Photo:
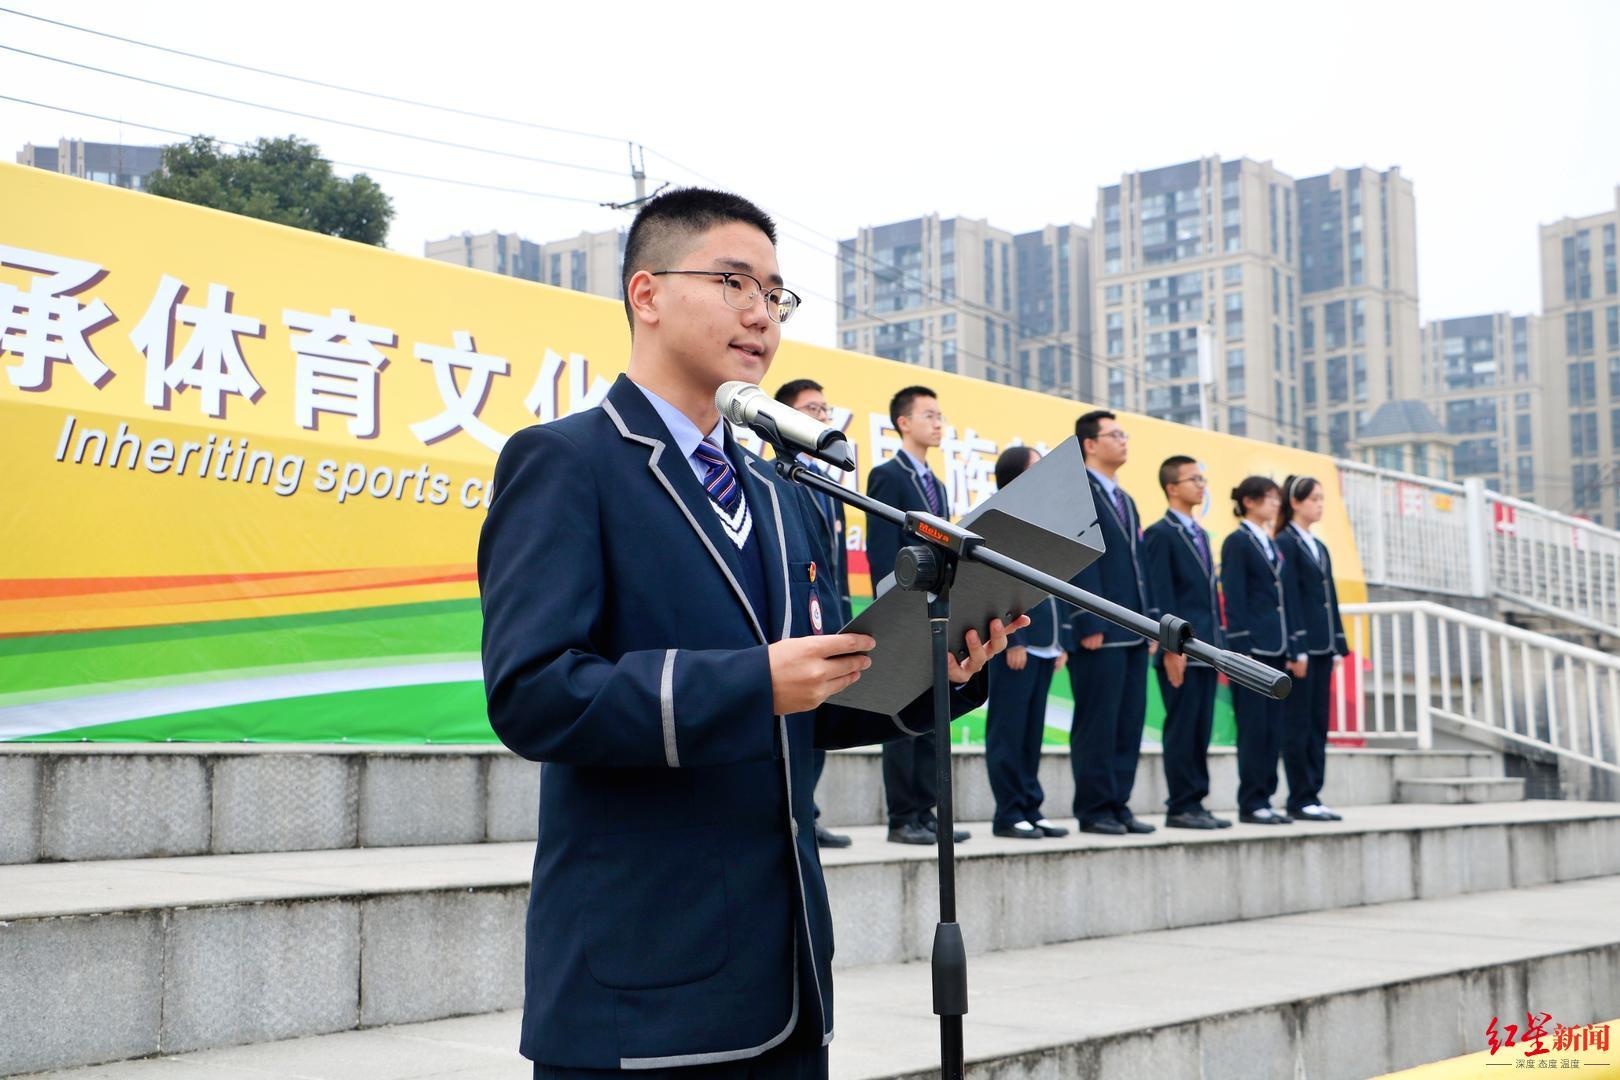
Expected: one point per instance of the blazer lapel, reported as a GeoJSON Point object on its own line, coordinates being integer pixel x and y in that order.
{"type": "Point", "coordinates": [637, 422]}
{"type": "Point", "coordinates": [1259, 545]}
{"type": "Point", "coordinates": [766, 507]}
{"type": "Point", "coordinates": [1181, 531]}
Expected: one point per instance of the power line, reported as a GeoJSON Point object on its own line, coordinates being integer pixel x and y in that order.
{"type": "Point", "coordinates": [313, 82]}
{"type": "Point", "coordinates": [428, 139]}
{"type": "Point", "coordinates": [345, 164]}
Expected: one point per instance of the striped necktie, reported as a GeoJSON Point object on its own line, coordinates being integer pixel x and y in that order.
{"type": "Point", "coordinates": [721, 479]}
{"type": "Point", "coordinates": [931, 494]}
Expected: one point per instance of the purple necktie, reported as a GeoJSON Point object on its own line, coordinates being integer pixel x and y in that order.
{"type": "Point", "coordinates": [931, 494]}
{"type": "Point", "coordinates": [1198, 542]}
{"type": "Point", "coordinates": [1119, 505]}
{"type": "Point", "coordinates": [721, 479]}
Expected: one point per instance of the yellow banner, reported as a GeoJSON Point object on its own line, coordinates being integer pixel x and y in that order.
{"type": "Point", "coordinates": [206, 417]}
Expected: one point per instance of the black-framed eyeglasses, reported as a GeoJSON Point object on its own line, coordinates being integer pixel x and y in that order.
{"type": "Point", "coordinates": [780, 303]}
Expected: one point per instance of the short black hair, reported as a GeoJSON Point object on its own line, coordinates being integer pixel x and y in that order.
{"type": "Point", "coordinates": [1295, 487]}
{"type": "Point", "coordinates": [1253, 487]}
{"type": "Point", "coordinates": [668, 222]}
{"type": "Point", "coordinates": [1089, 426]}
{"type": "Point", "coordinates": [1171, 466]}
{"type": "Point", "coordinates": [900, 404]}
{"type": "Point", "coordinates": [1012, 463]}
{"type": "Point", "coordinates": [789, 391]}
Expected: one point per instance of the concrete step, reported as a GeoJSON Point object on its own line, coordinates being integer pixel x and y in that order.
{"type": "Point", "coordinates": [107, 960]}
{"type": "Point", "coordinates": [1460, 789]}
{"type": "Point", "coordinates": [1321, 996]}
{"type": "Point", "coordinates": [84, 801]}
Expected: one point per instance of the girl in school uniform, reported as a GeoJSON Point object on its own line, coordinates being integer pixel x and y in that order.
{"type": "Point", "coordinates": [1257, 624]}
{"type": "Point", "coordinates": [1318, 639]}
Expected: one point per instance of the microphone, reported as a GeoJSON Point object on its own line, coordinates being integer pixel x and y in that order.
{"type": "Point", "coordinates": [746, 405]}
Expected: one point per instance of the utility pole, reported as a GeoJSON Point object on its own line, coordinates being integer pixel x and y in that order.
{"type": "Point", "coordinates": [638, 170]}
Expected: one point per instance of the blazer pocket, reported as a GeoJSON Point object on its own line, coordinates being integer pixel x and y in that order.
{"type": "Point", "coordinates": [658, 908]}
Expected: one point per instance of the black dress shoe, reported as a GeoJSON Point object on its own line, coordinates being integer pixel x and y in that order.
{"type": "Point", "coordinates": [830, 839]}
{"type": "Point", "coordinates": [1050, 828]}
{"type": "Point", "coordinates": [1138, 828]}
{"type": "Point", "coordinates": [1021, 830]}
{"type": "Point", "coordinates": [1107, 827]}
{"type": "Point", "coordinates": [958, 835]}
{"type": "Point", "coordinates": [1190, 821]}
{"type": "Point", "coordinates": [1316, 813]}
{"type": "Point", "coordinates": [1220, 822]}
{"type": "Point", "coordinates": [1264, 816]}
{"type": "Point", "coordinates": [912, 834]}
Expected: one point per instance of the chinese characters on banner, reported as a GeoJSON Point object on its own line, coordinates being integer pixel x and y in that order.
{"type": "Point", "coordinates": [338, 360]}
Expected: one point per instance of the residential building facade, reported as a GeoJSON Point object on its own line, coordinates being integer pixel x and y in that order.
{"type": "Point", "coordinates": [1580, 339]}
{"type": "Point", "coordinates": [105, 163]}
{"type": "Point", "coordinates": [1481, 377]}
{"type": "Point", "coordinates": [591, 262]}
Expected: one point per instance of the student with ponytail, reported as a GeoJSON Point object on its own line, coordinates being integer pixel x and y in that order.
{"type": "Point", "coordinates": [1257, 624]}
{"type": "Point", "coordinates": [1313, 606]}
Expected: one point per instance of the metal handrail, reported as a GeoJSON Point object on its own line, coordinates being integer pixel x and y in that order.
{"type": "Point", "coordinates": [1531, 689]}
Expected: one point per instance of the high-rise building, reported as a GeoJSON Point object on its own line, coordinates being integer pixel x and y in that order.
{"type": "Point", "coordinates": [1481, 377]}
{"type": "Point", "coordinates": [1580, 303]}
{"type": "Point", "coordinates": [590, 262]}
{"type": "Point", "coordinates": [105, 163]}
{"type": "Point", "coordinates": [931, 292]}
{"type": "Point", "coordinates": [1206, 247]}
{"type": "Point", "coordinates": [1052, 283]}
{"type": "Point", "coordinates": [1358, 300]}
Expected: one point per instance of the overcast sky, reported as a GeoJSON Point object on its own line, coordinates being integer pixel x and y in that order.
{"type": "Point", "coordinates": [838, 115]}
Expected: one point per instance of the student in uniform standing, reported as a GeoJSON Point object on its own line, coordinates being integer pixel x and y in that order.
{"type": "Point", "coordinates": [906, 482]}
{"type": "Point", "coordinates": [1257, 624]}
{"type": "Point", "coordinates": [1108, 664]}
{"type": "Point", "coordinates": [1314, 603]}
{"type": "Point", "coordinates": [1180, 567]}
{"type": "Point", "coordinates": [1015, 721]}
{"type": "Point", "coordinates": [826, 517]}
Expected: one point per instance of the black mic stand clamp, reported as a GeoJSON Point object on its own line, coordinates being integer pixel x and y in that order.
{"type": "Point", "coordinates": [930, 568]}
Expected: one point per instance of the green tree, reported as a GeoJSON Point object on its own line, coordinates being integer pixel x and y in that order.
{"type": "Point", "coordinates": [281, 180]}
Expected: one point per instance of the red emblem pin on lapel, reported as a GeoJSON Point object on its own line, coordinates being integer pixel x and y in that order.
{"type": "Point", "coordinates": [812, 573]}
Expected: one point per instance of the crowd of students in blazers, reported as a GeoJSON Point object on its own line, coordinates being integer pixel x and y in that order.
{"type": "Point", "coordinates": [1268, 592]}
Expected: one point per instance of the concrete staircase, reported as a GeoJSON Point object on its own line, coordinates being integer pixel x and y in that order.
{"type": "Point", "coordinates": [170, 900]}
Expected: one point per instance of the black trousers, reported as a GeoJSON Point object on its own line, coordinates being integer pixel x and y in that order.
{"type": "Point", "coordinates": [1189, 719]}
{"type": "Point", "coordinates": [908, 780]}
{"type": "Point", "coordinates": [1105, 741]}
{"type": "Point", "coordinates": [1259, 742]}
{"type": "Point", "coordinates": [1305, 727]}
{"type": "Point", "coordinates": [1014, 726]}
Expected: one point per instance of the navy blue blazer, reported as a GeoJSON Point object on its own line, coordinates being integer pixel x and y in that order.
{"type": "Point", "coordinates": [1313, 600]}
{"type": "Point", "coordinates": [828, 531]}
{"type": "Point", "coordinates": [1045, 629]}
{"type": "Point", "coordinates": [1115, 575]}
{"type": "Point", "coordinates": [678, 913]}
{"type": "Point", "coordinates": [1180, 581]}
{"type": "Point", "coordinates": [1256, 608]}
{"type": "Point", "coordinates": [894, 482]}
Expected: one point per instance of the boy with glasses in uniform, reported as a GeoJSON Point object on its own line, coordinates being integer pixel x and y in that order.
{"type": "Point", "coordinates": [650, 636]}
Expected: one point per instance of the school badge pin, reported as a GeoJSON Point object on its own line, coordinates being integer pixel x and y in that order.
{"type": "Point", "coordinates": [812, 573]}
{"type": "Point", "coordinates": [815, 613]}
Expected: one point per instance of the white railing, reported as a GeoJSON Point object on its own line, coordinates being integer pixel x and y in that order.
{"type": "Point", "coordinates": [1465, 540]}
{"type": "Point", "coordinates": [1414, 662]}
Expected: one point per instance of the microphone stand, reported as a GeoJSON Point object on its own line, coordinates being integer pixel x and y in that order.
{"type": "Point", "coordinates": [930, 567]}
